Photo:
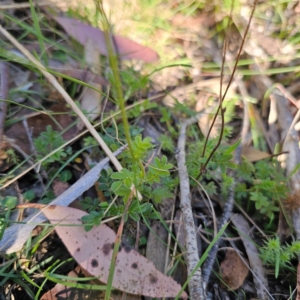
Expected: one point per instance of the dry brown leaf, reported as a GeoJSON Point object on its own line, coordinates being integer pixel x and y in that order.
{"type": "Point", "coordinates": [233, 270]}
{"type": "Point", "coordinates": [93, 251]}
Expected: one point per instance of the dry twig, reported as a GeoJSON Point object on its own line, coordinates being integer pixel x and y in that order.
{"type": "Point", "coordinates": [192, 258]}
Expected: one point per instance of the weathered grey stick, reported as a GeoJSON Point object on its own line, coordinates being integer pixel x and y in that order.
{"type": "Point", "coordinates": [15, 236]}
{"type": "Point", "coordinates": [192, 257]}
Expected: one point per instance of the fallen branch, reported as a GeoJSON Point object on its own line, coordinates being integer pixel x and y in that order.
{"type": "Point", "coordinates": [192, 257]}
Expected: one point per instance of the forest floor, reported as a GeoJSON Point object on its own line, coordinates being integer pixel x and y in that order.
{"type": "Point", "coordinates": [174, 125]}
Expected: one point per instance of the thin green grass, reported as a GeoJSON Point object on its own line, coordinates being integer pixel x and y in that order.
{"type": "Point", "coordinates": [39, 35]}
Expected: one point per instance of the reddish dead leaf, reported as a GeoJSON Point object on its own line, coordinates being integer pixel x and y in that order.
{"type": "Point", "coordinates": [93, 251]}
{"type": "Point", "coordinates": [233, 270]}
{"type": "Point", "coordinates": [126, 48]}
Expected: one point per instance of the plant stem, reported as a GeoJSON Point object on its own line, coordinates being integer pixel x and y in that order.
{"type": "Point", "coordinates": [113, 62]}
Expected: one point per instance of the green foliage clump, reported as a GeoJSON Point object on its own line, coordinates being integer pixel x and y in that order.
{"type": "Point", "coordinates": [97, 211]}
{"type": "Point", "coordinates": [220, 162]}
{"type": "Point", "coordinates": [263, 183]}
{"type": "Point", "coordinates": [144, 177]}
{"type": "Point", "coordinates": [167, 143]}
{"type": "Point", "coordinates": [280, 256]}
{"type": "Point", "coordinates": [7, 203]}
{"type": "Point", "coordinates": [132, 81]}
{"type": "Point", "coordinates": [124, 180]}
{"type": "Point", "coordinates": [47, 142]}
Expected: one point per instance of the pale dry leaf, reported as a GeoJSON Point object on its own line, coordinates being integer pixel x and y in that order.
{"type": "Point", "coordinates": [90, 98]}
{"type": "Point", "coordinates": [252, 154]}
{"type": "Point", "coordinates": [93, 251]}
{"type": "Point", "coordinates": [273, 115]}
